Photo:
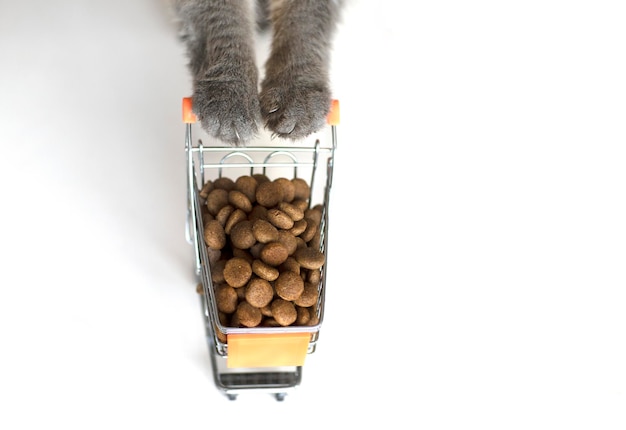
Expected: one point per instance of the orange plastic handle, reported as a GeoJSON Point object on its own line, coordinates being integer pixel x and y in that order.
{"type": "Point", "coordinates": [188, 116]}
{"type": "Point", "coordinates": [267, 350]}
{"type": "Point", "coordinates": [333, 116]}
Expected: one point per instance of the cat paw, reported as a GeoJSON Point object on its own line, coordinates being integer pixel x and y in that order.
{"type": "Point", "coordinates": [294, 111]}
{"type": "Point", "coordinates": [227, 110]}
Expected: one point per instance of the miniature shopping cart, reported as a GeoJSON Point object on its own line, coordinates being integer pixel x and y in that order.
{"type": "Point", "coordinates": [258, 359]}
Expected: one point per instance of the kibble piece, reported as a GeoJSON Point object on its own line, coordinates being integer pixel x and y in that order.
{"type": "Point", "coordinates": [288, 240]}
{"type": "Point", "coordinates": [279, 219]}
{"type": "Point", "coordinates": [274, 253]}
{"type": "Point", "coordinates": [309, 258]}
{"type": "Point", "coordinates": [310, 230]}
{"type": "Point", "coordinates": [294, 212]}
{"type": "Point", "coordinates": [259, 292]}
{"type": "Point", "coordinates": [217, 272]}
{"type": "Point", "coordinates": [302, 189]}
{"type": "Point", "coordinates": [264, 270]}
{"type": "Point", "coordinates": [248, 315]}
{"type": "Point", "coordinates": [304, 316]}
{"type": "Point", "coordinates": [267, 310]}
{"type": "Point", "coordinates": [289, 285]}
{"type": "Point", "coordinates": [239, 200]}
{"type": "Point", "coordinates": [298, 227]}
{"type": "Point", "coordinates": [291, 265]}
{"type": "Point", "coordinates": [269, 194]}
{"type": "Point", "coordinates": [216, 200]}
{"type": "Point", "coordinates": [301, 204]}
{"type": "Point", "coordinates": [264, 231]}
{"type": "Point", "coordinates": [289, 189]}
{"type": "Point", "coordinates": [237, 216]}
{"type": "Point", "coordinates": [241, 235]}
{"type": "Point", "coordinates": [247, 185]}
{"type": "Point", "coordinates": [257, 212]}
{"type": "Point", "coordinates": [224, 183]}
{"type": "Point", "coordinates": [314, 276]}
{"type": "Point", "coordinates": [224, 213]}
{"type": "Point", "coordinates": [308, 297]}
{"type": "Point", "coordinates": [226, 298]}
{"type": "Point", "coordinates": [283, 311]}
{"type": "Point", "coordinates": [260, 177]}
{"type": "Point", "coordinates": [237, 272]}
{"type": "Point", "coordinates": [206, 189]}
{"type": "Point", "coordinates": [214, 234]}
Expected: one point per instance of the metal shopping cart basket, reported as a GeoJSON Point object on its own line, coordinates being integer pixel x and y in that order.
{"type": "Point", "coordinates": [266, 358]}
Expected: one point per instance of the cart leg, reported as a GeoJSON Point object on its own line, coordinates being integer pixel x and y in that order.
{"type": "Point", "coordinates": [231, 396]}
{"type": "Point", "coordinates": [280, 396]}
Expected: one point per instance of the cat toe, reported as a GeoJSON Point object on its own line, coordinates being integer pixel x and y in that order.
{"type": "Point", "coordinates": [226, 111]}
{"type": "Point", "coordinates": [295, 112]}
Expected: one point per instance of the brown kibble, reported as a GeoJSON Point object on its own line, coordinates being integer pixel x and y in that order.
{"type": "Point", "coordinates": [266, 310]}
{"type": "Point", "coordinates": [257, 212]}
{"type": "Point", "coordinates": [289, 285]}
{"type": "Point", "coordinates": [217, 272]}
{"type": "Point", "coordinates": [239, 200]}
{"type": "Point", "coordinates": [213, 254]}
{"type": "Point", "coordinates": [241, 235]}
{"type": "Point", "coordinates": [302, 189]}
{"type": "Point", "coordinates": [309, 296]}
{"type": "Point", "coordinates": [304, 316]}
{"type": "Point", "coordinates": [199, 289]}
{"type": "Point", "coordinates": [298, 227]}
{"type": "Point", "coordinates": [264, 270]}
{"type": "Point", "coordinates": [248, 315]}
{"type": "Point", "coordinates": [301, 204]}
{"type": "Point", "coordinates": [310, 230]}
{"type": "Point", "coordinates": [226, 298]}
{"type": "Point", "coordinates": [289, 190]}
{"type": "Point", "coordinates": [314, 276]}
{"type": "Point", "coordinates": [270, 322]}
{"type": "Point", "coordinates": [294, 212]}
{"type": "Point", "coordinates": [309, 258]}
{"type": "Point", "coordinates": [274, 253]}
{"type": "Point", "coordinates": [216, 200]}
{"type": "Point", "coordinates": [224, 213]}
{"type": "Point", "coordinates": [214, 235]}
{"type": "Point", "coordinates": [288, 240]}
{"type": "Point", "coordinates": [259, 292]}
{"type": "Point", "coordinates": [260, 177]}
{"type": "Point", "coordinates": [206, 189]}
{"type": "Point", "coordinates": [237, 216]}
{"type": "Point", "coordinates": [284, 312]}
{"type": "Point", "coordinates": [224, 183]}
{"type": "Point", "coordinates": [279, 219]}
{"type": "Point", "coordinates": [264, 231]}
{"type": "Point", "coordinates": [314, 213]}
{"type": "Point", "coordinates": [291, 265]}
{"type": "Point", "coordinates": [247, 185]}
{"type": "Point", "coordinates": [269, 194]}
{"type": "Point", "coordinates": [243, 253]}
{"type": "Point", "coordinates": [237, 272]}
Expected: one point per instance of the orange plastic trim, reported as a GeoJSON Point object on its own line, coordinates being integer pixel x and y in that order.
{"type": "Point", "coordinates": [188, 116]}
{"type": "Point", "coordinates": [333, 115]}
{"type": "Point", "coordinates": [267, 350]}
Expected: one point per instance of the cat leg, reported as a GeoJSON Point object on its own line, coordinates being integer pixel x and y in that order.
{"type": "Point", "coordinates": [219, 38]}
{"type": "Point", "coordinates": [295, 93]}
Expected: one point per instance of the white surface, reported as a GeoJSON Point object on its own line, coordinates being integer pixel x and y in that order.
{"type": "Point", "coordinates": [477, 239]}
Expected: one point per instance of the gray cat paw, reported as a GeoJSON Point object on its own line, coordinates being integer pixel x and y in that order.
{"type": "Point", "coordinates": [227, 110]}
{"type": "Point", "coordinates": [294, 110]}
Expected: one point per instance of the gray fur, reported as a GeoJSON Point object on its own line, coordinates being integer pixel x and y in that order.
{"type": "Point", "coordinates": [294, 97]}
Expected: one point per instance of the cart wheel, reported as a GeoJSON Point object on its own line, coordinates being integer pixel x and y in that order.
{"type": "Point", "coordinates": [231, 396]}
{"type": "Point", "coordinates": [280, 396]}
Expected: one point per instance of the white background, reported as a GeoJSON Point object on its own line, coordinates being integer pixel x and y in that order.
{"type": "Point", "coordinates": [477, 238]}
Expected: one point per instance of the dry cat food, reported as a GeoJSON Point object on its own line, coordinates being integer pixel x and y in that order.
{"type": "Point", "coordinates": [263, 245]}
